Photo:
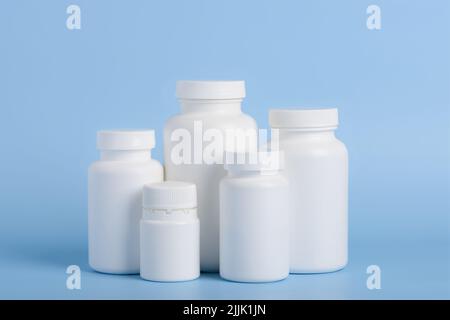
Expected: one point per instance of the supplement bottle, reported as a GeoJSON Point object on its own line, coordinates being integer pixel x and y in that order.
{"type": "Point", "coordinates": [115, 185]}
{"type": "Point", "coordinates": [316, 166]}
{"type": "Point", "coordinates": [254, 223]}
{"type": "Point", "coordinates": [170, 247]}
{"type": "Point", "coordinates": [194, 142]}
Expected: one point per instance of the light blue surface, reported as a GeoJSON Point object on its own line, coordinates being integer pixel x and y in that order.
{"type": "Point", "coordinates": [392, 87]}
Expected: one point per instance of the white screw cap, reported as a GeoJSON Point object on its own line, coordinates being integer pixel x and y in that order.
{"type": "Point", "coordinates": [210, 90]}
{"type": "Point", "coordinates": [126, 139]}
{"type": "Point", "coordinates": [169, 195]}
{"type": "Point", "coordinates": [303, 118]}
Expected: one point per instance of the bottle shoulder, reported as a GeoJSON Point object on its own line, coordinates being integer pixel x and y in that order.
{"type": "Point", "coordinates": [292, 142]}
{"type": "Point", "coordinates": [314, 148]}
{"type": "Point", "coordinates": [105, 167]}
{"type": "Point", "coordinates": [341, 145]}
{"type": "Point", "coordinates": [218, 120]}
{"type": "Point", "coordinates": [258, 181]}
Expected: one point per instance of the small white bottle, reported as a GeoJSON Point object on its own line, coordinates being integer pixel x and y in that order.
{"type": "Point", "coordinates": [169, 231]}
{"type": "Point", "coordinates": [115, 198]}
{"type": "Point", "coordinates": [316, 165]}
{"type": "Point", "coordinates": [208, 108]}
{"type": "Point", "coordinates": [254, 222]}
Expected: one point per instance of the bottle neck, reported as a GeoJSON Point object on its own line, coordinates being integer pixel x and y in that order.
{"type": "Point", "coordinates": [216, 106]}
{"type": "Point", "coordinates": [308, 134]}
{"type": "Point", "coordinates": [125, 155]}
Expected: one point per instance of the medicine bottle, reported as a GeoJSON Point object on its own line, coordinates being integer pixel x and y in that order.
{"type": "Point", "coordinates": [254, 221]}
{"type": "Point", "coordinates": [170, 232]}
{"type": "Point", "coordinates": [115, 198]}
{"type": "Point", "coordinates": [316, 166]}
{"type": "Point", "coordinates": [194, 141]}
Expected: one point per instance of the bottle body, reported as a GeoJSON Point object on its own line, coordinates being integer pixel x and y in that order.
{"type": "Point", "coordinates": [200, 120]}
{"type": "Point", "coordinates": [115, 208]}
{"type": "Point", "coordinates": [115, 212]}
{"type": "Point", "coordinates": [170, 245]}
{"type": "Point", "coordinates": [316, 165]}
{"type": "Point", "coordinates": [254, 217]}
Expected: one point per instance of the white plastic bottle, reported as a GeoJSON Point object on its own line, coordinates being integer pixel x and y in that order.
{"type": "Point", "coordinates": [170, 240]}
{"type": "Point", "coordinates": [207, 109]}
{"type": "Point", "coordinates": [115, 198]}
{"type": "Point", "coordinates": [254, 223]}
{"type": "Point", "coordinates": [316, 165]}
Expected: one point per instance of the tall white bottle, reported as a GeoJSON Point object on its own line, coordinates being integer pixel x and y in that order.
{"type": "Point", "coordinates": [115, 198]}
{"type": "Point", "coordinates": [193, 152]}
{"type": "Point", "coordinates": [316, 165]}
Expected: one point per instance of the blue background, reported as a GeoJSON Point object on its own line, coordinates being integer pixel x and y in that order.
{"type": "Point", "coordinates": [392, 87]}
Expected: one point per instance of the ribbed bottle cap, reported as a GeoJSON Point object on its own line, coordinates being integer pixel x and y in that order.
{"type": "Point", "coordinates": [193, 89]}
{"type": "Point", "coordinates": [303, 118]}
{"type": "Point", "coordinates": [170, 195]}
{"type": "Point", "coordinates": [125, 139]}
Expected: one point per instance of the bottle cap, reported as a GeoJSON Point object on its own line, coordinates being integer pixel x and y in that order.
{"type": "Point", "coordinates": [170, 195]}
{"type": "Point", "coordinates": [303, 118]}
{"type": "Point", "coordinates": [125, 139]}
{"type": "Point", "coordinates": [210, 90]}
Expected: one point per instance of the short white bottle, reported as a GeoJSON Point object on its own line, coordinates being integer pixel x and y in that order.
{"type": "Point", "coordinates": [316, 165]}
{"type": "Point", "coordinates": [254, 222]}
{"type": "Point", "coordinates": [192, 149]}
{"type": "Point", "coordinates": [170, 240]}
{"type": "Point", "coordinates": [115, 198]}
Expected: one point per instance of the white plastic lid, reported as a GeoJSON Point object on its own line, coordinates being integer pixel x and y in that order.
{"type": "Point", "coordinates": [303, 118]}
{"type": "Point", "coordinates": [260, 161]}
{"type": "Point", "coordinates": [210, 90]}
{"type": "Point", "coordinates": [170, 195]}
{"type": "Point", "coordinates": [125, 139]}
